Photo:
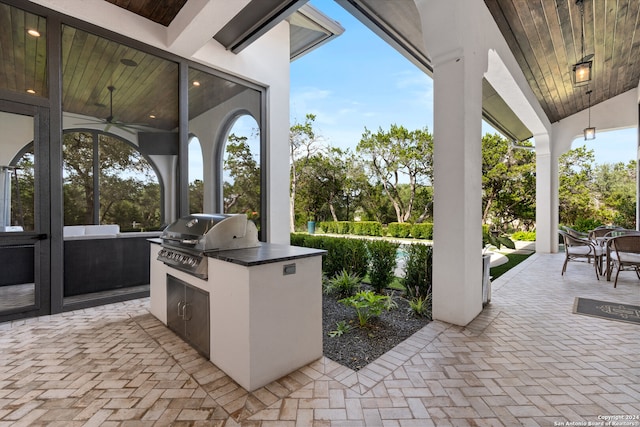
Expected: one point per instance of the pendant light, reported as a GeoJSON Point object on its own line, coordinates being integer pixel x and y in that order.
{"type": "Point", "coordinates": [589, 132]}
{"type": "Point", "coordinates": [582, 70]}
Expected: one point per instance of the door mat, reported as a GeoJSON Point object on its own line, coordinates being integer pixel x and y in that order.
{"type": "Point", "coordinates": [607, 310]}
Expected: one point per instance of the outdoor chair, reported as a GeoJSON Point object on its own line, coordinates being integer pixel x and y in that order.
{"type": "Point", "coordinates": [607, 269]}
{"type": "Point", "coordinates": [625, 254]}
{"type": "Point", "coordinates": [574, 233]}
{"type": "Point", "coordinates": [580, 249]}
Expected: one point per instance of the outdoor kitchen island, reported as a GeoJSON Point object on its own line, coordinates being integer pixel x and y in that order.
{"type": "Point", "coordinates": [264, 308]}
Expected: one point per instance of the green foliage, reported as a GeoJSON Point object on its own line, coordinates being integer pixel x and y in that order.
{"type": "Point", "coordinates": [367, 304]}
{"type": "Point", "coordinates": [497, 239]}
{"type": "Point", "coordinates": [586, 224]}
{"type": "Point", "coordinates": [508, 182]}
{"type": "Point", "coordinates": [128, 191]}
{"type": "Point", "coordinates": [342, 253]}
{"type": "Point", "coordinates": [366, 228]}
{"type": "Point", "coordinates": [422, 231]}
{"type": "Point", "coordinates": [343, 284]}
{"type": "Point", "coordinates": [389, 155]}
{"type": "Point", "coordinates": [241, 189]}
{"type": "Point", "coordinates": [421, 306]}
{"type": "Point", "coordinates": [418, 269]}
{"type": "Point", "coordinates": [575, 185]}
{"type": "Point", "coordinates": [527, 236]}
{"type": "Point", "coordinates": [342, 327]}
{"type": "Point", "coordinates": [399, 229]}
{"type": "Point", "coordinates": [383, 256]}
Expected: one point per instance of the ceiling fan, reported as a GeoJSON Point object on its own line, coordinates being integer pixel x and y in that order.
{"type": "Point", "coordinates": [110, 120]}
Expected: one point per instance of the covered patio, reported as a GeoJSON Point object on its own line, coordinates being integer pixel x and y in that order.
{"type": "Point", "coordinates": [525, 360]}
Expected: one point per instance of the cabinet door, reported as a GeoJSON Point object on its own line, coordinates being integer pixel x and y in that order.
{"type": "Point", "coordinates": [175, 305]}
{"type": "Point", "coordinates": [197, 321]}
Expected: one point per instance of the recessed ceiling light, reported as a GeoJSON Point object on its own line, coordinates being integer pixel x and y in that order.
{"type": "Point", "coordinates": [34, 33]}
{"type": "Point", "coordinates": [196, 83]}
{"type": "Point", "coordinates": [128, 62]}
{"type": "Point", "coordinates": [152, 116]}
{"type": "Point", "coordinates": [31, 91]}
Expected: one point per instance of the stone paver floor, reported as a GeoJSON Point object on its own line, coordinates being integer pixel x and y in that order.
{"type": "Point", "coordinates": [526, 360]}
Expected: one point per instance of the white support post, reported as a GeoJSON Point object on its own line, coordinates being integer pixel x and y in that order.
{"type": "Point", "coordinates": [457, 256]}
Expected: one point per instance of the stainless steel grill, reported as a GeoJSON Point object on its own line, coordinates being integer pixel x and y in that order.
{"type": "Point", "coordinates": [186, 242]}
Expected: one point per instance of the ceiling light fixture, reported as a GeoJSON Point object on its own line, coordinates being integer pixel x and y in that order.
{"type": "Point", "coordinates": [34, 33]}
{"type": "Point", "coordinates": [196, 83]}
{"type": "Point", "coordinates": [589, 132]}
{"type": "Point", "coordinates": [31, 91]}
{"type": "Point", "coordinates": [582, 70]}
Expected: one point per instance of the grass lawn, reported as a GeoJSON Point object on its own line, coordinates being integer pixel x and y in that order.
{"type": "Point", "coordinates": [513, 260]}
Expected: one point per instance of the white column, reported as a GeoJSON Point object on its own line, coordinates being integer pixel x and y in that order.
{"type": "Point", "coordinates": [546, 197]}
{"type": "Point", "coordinates": [457, 256]}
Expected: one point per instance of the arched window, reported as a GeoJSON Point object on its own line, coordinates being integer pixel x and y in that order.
{"type": "Point", "coordinates": [106, 180]}
{"type": "Point", "coordinates": [196, 179]}
{"type": "Point", "coordinates": [241, 169]}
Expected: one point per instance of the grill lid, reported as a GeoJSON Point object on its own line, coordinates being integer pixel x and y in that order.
{"type": "Point", "coordinates": [209, 232]}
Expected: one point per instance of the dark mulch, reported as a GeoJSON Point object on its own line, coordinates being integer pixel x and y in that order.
{"type": "Point", "coordinates": [361, 346]}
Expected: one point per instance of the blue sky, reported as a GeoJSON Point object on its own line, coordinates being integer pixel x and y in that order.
{"type": "Point", "coordinates": [358, 81]}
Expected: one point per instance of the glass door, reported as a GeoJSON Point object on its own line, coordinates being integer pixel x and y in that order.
{"type": "Point", "coordinates": [24, 244]}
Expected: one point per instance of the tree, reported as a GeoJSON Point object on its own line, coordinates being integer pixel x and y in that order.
{"type": "Point", "coordinates": [303, 143]}
{"type": "Point", "coordinates": [575, 185]}
{"type": "Point", "coordinates": [508, 182]}
{"type": "Point", "coordinates": [242, 190]}
{"type": "Point", "coordinates": [615, 186]}
{"type": "Point", "coordinates": [395, 156]}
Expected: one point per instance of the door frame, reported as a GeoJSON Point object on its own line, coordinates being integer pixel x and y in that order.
{"type": "Point", "coordinates": [42, 212]}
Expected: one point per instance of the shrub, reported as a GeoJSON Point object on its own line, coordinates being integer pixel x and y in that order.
{"type": "Point", "coordinates": [418, 268]}
{"type": "Point", "coordinates": [422, 231]}
{"type": "Point", "coordinates": [399, 229]}
{"type": "Point", "coordinates": [342, 253]}
{"type": "Point", "coordinates": [343, 284]}
{"type": "Point", "coordinates": [383, 256]}
{"type": "Point", "coordinates": [368, 304]}
{"type": "Point", "coordinates": [366, 228]}
{"type": "Point", "coordinates": [421, 306]}
{"type": "Point", "coordinates": [586, 224]}
{"type": "Point", "coordinates": [528, 236]}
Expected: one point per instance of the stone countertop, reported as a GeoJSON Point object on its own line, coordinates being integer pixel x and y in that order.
{"type": "Point", "coordinates": [266, 253]}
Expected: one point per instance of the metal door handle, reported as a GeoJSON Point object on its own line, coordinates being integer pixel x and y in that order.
{"type": "Point", "coordinates": [186, 315]}
{"type": "Point", "coordinates": [181, 307]}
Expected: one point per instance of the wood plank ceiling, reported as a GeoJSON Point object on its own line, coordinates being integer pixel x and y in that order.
{"type": "Point", "coordinates": [545, 37]}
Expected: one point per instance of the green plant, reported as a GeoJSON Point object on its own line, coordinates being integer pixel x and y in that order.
{"type": "Point", "coordinates": [529, 236]}
{"type": "Point", "coordinates": [399, 229]}
{"type": "Point", "coordinates": [343, 284]}
{"type": "Point", "coordinates": [496, 238]}
{"type": "Point", "coordinates": [367, 304]}
{"type": "Point", "coordinates": [342, 327]}
{"type": "Point", "coordinates": [422, 231]}
{"type": "Point", "coordinates": [383, 256]}
{"type": "Point", "coordinates": [418, 268]}
{"type": "Point", "coordinates": [421, 306]}
{"type": "Point", "coordinates": [586, 224]}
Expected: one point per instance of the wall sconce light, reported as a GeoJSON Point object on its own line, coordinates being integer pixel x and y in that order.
{"type": "Point", "coordinates": [589, 132]}
{"type": "Point", "coordinates": [582, 70]}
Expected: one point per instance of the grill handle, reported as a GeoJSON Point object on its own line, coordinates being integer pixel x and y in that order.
{"type": "Point", "coordinates": [192, 242]}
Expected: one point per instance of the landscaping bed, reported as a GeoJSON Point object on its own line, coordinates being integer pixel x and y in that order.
{"type": "Point", "coordinates": [358, 347]}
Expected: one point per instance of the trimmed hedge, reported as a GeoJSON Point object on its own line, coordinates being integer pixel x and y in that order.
{"type": "Point", "coordinates": [422, 231]}
{"type": "Point", "coordinates": [360, 228]}
{"type": "Point", "coordinates": [342, 253]}
{"type": "Point", "coordinates": [399, 229]}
